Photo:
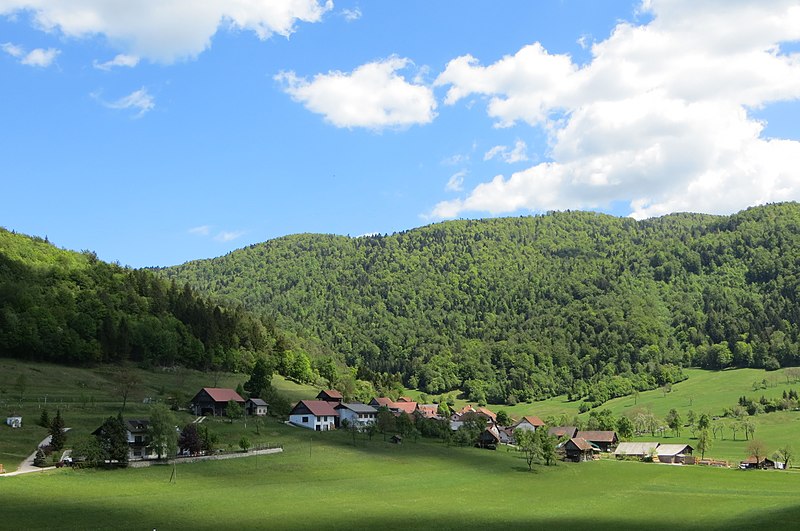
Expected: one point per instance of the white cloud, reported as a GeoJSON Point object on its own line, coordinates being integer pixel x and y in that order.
{"type": "Point", "coordinates": [518, 154]}
{"type": "Point", "coordinates": [120, 60]}
{"type": "Point", "coordinates": [351, 15]}
{"type": "Point", "coordinates": [166, 30]}
{"type": "Point", "coordinates": [226, 236]}
{"type": "Point", "coordinates": [456, 182]}
{"type": "Point", "coordinates": [37, 57]}
{"type": "Point", "coordinates": [139, 100]}
{"type": "Point", "coordinates": [13, 50]}
{"type": "Point", "coordinates": [373, 96]}
{"type": "Point", "coordinates": [658, 118]}
{"type": "Point", "coordinates": [40, 57]}
{"type": "Point", "coordinates": [202, 230]}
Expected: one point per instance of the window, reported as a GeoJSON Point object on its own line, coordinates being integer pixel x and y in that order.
{"type": "Point", "coordinates": [305, 420]}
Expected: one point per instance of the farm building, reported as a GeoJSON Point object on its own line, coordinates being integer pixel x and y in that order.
{"type": "Point", "coordinates": [563, 431]}
{"type": "Point", "coordinates": [489, 438]}
{"type": "Point", "coordinates": [605, 440]}
{"type": "Point", "coordinates": [578, 449]}
{"type": "Point", "coordinates": [429, 411]}
{"type": "Point", "coordinates": [330, 395]}
{"type": "Point", "coordinates": [752, 462]}
{"type": "Point", "coordinates": [673, 453]}
{"type": "Point", "coordinates": [14, 421]}
{"type": "Point", "coordinates": [638, 450]}
{"type": "Point", "coordinates": [256, 407]}
{"type": "Point", "coordinates": [316, 415]}
{"type": "Point", "coordinates": [531, 423]}
{"type": "Point", "coordinates": [214, 401]}
{"type": "Point", "coordinates": [356, 413]}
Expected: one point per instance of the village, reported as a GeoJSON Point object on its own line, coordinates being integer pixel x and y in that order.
{"type": "Point", "coordinates": [470, 425]}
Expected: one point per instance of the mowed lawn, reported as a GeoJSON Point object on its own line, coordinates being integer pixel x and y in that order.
{"type": "Point", "coordinates": [322, 481]}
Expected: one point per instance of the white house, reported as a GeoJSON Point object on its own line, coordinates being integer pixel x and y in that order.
{"type": "Point", "coordinates": [315, 415]}
{"type": "Point", "coordinates": [14, 422]}
{"type": "Point", "coordinates": [529, 423]}
{"type": "Point", "coordinates": [357, 413]}
{"type": "Point", "coordinates": [138, 439]}
{"type": "Point", "coordinates": [256, 407]}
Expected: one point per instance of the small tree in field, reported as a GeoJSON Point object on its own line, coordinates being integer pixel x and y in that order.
{"type": "Point", "coordinates": [190, 440]}
{"type": "Point", "coordinates": [234, 411]}
{"type": "Point", "coordinates": [58, 436]}
{"type": "Point", "coordinates": [161, 431]}
{"type": "Point", "coordinates": [703, 443]}
{"type": "Point", "coordinates": [527, 442]}
{"type": "Point", "coordinates": [39, 460]}
{"type": "Point", "coordinates": [244, 443]}
{"type": "Point", "coordinates": [44, 419]}
{"type": "Point", "coordinates": [757, 449]}
{"type": "Point", "coordinates": [786, 454]}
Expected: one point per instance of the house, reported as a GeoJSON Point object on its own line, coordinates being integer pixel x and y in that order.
{"type": "Point", "coordinates": [138, 440]}
{"type": "Point", "coordinates": [404, 405]}
{"type": "Point", "coordinates": [330, 395]}
{"type": "Point", "coordinates": [559, 432]}
{"type": "Point", "coordinates": [489, 438]}
{"type": "Point", "coordinates": [531, 423]}
{"type": "Point", "coordinates": [673, 453]}
{"type": "Point", "coordinates": [357, 413]}
{"type": "Point", "coordinates": [506, 435]}
{"type": "Point", "coordinates": [214, 401]}
{"type": "Point", "coordinates": [605, 440]}
{"type": "Point", "coordinates": [428, 411]}
{"type": "Point", "coordinates": [637, 450]}
{"type": "Point", "coordinates": [579, 449]}
{"type": "Point", "coordinates": [382, 401]}
{"type": "Point", "coordinates": [316, 415]}
{"type": "Point", "coordinates": [256, 407]}
{"type": "Point", "coordinates": [14, 421]}
{"type": "Point", "coordinates": [751, 462]}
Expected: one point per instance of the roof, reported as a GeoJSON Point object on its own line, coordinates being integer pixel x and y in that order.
{"type": "Point", "coordinates": [563, 431]}
{"type": "Point", "coordinates": [466, 409]}
{"type": "Point", "coordinates": [581, 444]}
{"type": "Point", "coordinates": [532, 420]}
{"type": "Point", "coordinates": [330, 393]}
{"type": "Point", "coordinates": [597, 436]}
{"type": "Point", "coordinates": [257, 402]}
{"type": "Point", "coordinates": [492, 432]}
{"type": "Point", "coordinates": [636, 448]}
{"type": "Point", "coordinates": [383, 401]}
{"type": "Point", "coordinates": [406, 407]}
{"type": "Point", "coordinates": [405, 399]}
{"type": "Point", "coordinates": [318, 408]}
{"type": "Point", "coordinates": [673, 449]}
{"type": "Point", "coordinates": [219, 394]}
{"type": "Point", "coordinates": [357, 407]}
{"type": "Point", "coordinates": [428, 410]}
{"type": "Point", "coordinates": [486, 412]}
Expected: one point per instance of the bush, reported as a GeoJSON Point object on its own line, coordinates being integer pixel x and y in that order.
{"type": "Point", "coordinates": [40, 459]}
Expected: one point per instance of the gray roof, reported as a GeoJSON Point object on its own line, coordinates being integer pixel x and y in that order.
{"type": "Point", "coordinates": [635, 448]}
{"type": "Point", "coordinates": [673, 449]}
{"type": "Point", "coordinates": [257, 401]}
{"type": "Point", "coordinates": [358, 407]}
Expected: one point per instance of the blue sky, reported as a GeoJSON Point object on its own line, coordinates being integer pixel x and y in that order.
{"type": "Point", "coordinates": [158, 132]}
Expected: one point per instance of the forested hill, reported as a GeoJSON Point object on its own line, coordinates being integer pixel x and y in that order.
{"type": "Point", "coordinates": [69, 307]}
{"type": "Point", "coordinates": [520, 308]}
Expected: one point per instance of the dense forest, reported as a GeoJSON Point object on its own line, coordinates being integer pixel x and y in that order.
{"type": "Point", "coordinates": [514, 309]}
{"type": "Point", "coordinates": [68, 307]}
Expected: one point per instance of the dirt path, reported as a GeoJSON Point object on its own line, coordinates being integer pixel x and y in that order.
{"type": "Point", "coordinates": [26, 467]}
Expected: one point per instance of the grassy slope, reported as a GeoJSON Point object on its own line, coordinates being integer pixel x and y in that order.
{"type": "Point", "coordinates": [322, 481]}
{"type": "Point", "coordinates": [87, 396]}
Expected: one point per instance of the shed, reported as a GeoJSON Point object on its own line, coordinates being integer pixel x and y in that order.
{"type": "Point", "coordinates": [330, 395]}
{"type": "Point", "coordinates": [673, 453]}
{"type": "Point", "coordinates": [604, 440]}
{"type": "Point", "coordinates": [214, 401]}
{"type": "Point", "coordinates": [578, 449]}
{"type": "Point", "coordinates": [489, 438]}
{"type": "Point", "coordinates": [563, 431]}
{"type": "Point", "coordinates": [14, 421]}
{"type": "Point", "coordinates": [256, 407]}
{"type": "Point", "coordinates": [638, 450]}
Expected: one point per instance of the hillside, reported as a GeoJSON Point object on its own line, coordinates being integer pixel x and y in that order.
{"type": "Point", "coordinates": [524, 308]}
{"type": "Point", "coordinates": [71, 308]}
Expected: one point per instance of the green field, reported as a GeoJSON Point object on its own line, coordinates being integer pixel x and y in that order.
{"type": "Point", "coordinates": [86, 397]}
{"type": "Point", "coordinates": [323, 481]}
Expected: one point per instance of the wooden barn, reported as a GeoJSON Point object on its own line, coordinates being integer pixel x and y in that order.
{"type": "Point", "coordinates": [214, 401]}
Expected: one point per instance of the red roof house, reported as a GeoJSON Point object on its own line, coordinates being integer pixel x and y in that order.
{"type": "Point", "coordinates": [214, 401]}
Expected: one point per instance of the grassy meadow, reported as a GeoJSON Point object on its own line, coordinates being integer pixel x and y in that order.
{"type": "Point", "coordinates": [323, 481]}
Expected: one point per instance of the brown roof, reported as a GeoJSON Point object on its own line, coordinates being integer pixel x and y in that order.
{"type": "Point", "coordinates": [330, 393]}
{"type": "Point", "coordinates": [405, 399]}
{"type": "Point", "coordinates": [597, 436]}
{"type": "Point", "coordinates": [318, 408]}
{"type": "Point", "coordinates": [561, 431]}
{"type": "Point", "coordinates": [383, 401]}
{"type": "Point", "coordinates": [532, 420]}
{"type": "Point", "coordinates": [486, 412]}
{"type": "Point", "coordinates": [581, 443]}
{"type": "Point", "coordinates": [405, 407]}
{"type": "Point", "coordinates": [428, 410]}
{"type": "Point", "coordinates": [219, 394]}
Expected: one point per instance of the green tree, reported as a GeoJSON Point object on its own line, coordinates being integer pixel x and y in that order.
{"type": "Point", "coordinates": [39, 459]}
{"type": "Point", "coordinates": [234, 410]}
{"type": "Point", "coordinates": [757, 449]}
{"type": "Point", "coordinates": [87, 451]}
{"type": "Point", "coordinates": [502, 418]}
{"type": "Point", "coordinates": [244, 443]}
{"type": "Point", "coordinates": [385, 421]}
{"type": "Point", "coordinates": [704, 422]}
{"type": "Point", "coordinates": [703, 442]}
{"type": "Point", "coordinates": [625, 428]}
{"type": "Point", "coordinates": [58, 437]}
{"type": "Point", "coordinates": [112, 439]}
{"type": "Point", "coordinates": [528, 444]}
{"type": "Point", "coordinates": [161, 432]}
{"type": "Point", "coordinates": [674, 421]}
{"type": "Point", "coordinates": [44, 418]}
{"type": "Point", "coordinates": [260, 377]}
{"type": "Point", "coordinates": [547, 447]}
{"type": "Point", "coordinates": [786, 454]}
